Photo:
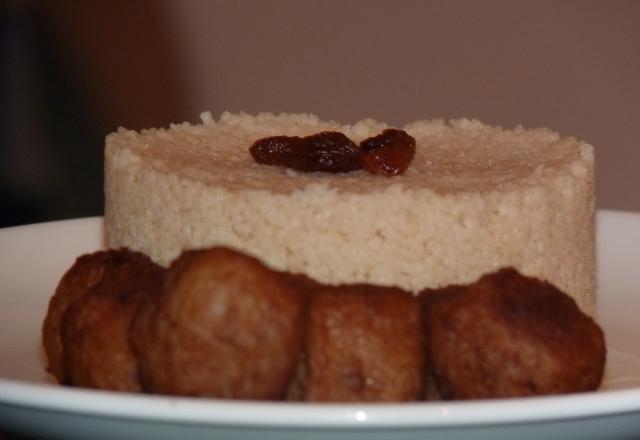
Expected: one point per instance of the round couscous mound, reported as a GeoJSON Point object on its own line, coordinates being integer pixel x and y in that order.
{"type": "Point", "coordinates": [475, 198]}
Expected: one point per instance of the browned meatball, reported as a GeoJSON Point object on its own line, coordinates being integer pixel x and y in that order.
{"type": "Point", "coordinates": [95, 327]}
{"type": "Point", "coordinates": [224, 326]}
{"type": "Point", "coordinates": [508, 335]}
{"type": "Point", "coordinates": [87, 271]}
{"type": "Point", "coordinates": [363, 343]}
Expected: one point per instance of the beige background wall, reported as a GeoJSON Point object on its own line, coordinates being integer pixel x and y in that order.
{"type": "Point", "coordinates": [573, 66]}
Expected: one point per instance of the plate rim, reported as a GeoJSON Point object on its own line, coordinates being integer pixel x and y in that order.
{"type": "Point", "coordinates": [51, 397]}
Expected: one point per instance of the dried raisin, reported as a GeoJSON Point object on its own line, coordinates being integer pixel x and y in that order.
{"type": "Point", "coordinates": [329, 151]}
{"type": "Point", "coordinates": [275, 150]}
{"type": "Point", "coordinates": [388, 153]}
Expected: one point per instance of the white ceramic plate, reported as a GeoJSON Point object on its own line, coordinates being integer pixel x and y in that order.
{"type": "Point", "coordinates": [34, 257]}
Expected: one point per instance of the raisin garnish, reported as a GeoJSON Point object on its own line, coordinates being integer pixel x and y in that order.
{"type": "Point", "coordinates": [329, 151]}
{"type": "Point", "coordinates": [332, 151]}
{"type": "Point", "coordinates": [275, 150]}
{"type": "Point", "coordinates": [388, 153]}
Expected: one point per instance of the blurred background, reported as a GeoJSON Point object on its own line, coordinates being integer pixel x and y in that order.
{"type": "Point", "coordinates": [73, 71]}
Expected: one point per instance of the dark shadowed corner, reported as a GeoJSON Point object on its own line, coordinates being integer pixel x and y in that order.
{"type": "Point", "coordinates": [71, 72]}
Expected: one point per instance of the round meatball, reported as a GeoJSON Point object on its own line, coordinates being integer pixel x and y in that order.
{"type": "Point", "coordinates": [224, 326]}
{"type": "Point", "coordinates": [363, 343]}
{"type": "Point", "coordinates": [95, 327]}
{"type": "Point", "coordinates": [508, 335]}
{"type": "Point", "coordinates": [87, 271]}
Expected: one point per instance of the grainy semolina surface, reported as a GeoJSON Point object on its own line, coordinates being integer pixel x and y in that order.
{"type": "Point", "coordinates": [474, 199]}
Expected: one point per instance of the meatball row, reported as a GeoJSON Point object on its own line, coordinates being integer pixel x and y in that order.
{"type": "Point", "coordinates": [219, 323]}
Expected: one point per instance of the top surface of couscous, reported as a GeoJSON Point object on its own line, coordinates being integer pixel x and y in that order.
{"type": "Point", "coordinates": [462, 155]}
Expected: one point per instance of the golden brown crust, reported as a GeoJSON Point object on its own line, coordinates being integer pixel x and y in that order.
{"type": "Point", "coordinates": [224, 326]}
{"type": "Point", "coordinates": [94, 328]}
{"type": "Point", "coordinates": [86, 272]}
{"type": "Point", "coordinates": [220, 323]}
{"type": "Point", "coordinates": [363, 343]}
{"type": "Point", "coordinates": [508, 335]}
